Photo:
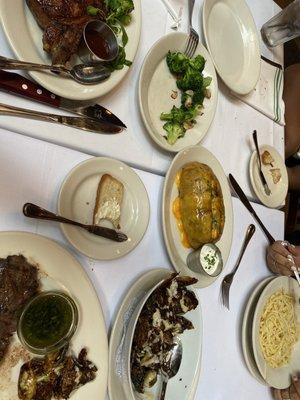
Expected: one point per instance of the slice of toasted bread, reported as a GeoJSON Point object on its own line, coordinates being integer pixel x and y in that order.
{"type": "Point", "coordinates": [276, 175]}
{"type": "Point", "coordinates": [267, 158]}
{"type": "Point", "coordinates": [108, 201]}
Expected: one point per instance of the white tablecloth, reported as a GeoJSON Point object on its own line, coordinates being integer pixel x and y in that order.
{"type": "Point", "coordinates": [33, 170]}
{"type": "Point", "coordinates": [228, 137]}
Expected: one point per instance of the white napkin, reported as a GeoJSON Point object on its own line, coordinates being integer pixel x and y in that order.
{"type": "Point", "coordinates": [267, 95]}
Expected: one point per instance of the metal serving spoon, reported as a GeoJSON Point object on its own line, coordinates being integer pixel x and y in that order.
{"type": "Point", "coordinates": [33, 211]}
{"type": "Point", "coordinates": [171, 366]}
{"type": "Point", "coordinates": [87, 74]}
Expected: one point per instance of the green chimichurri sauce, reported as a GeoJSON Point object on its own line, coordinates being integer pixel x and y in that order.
{"type": "Point", "coordinates": [47, 320]}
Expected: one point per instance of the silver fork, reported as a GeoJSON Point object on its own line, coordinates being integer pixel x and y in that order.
{"type": "Point", "coordinates": [193, 39]}
{"type": "Point", "coordinates": [227, 281]}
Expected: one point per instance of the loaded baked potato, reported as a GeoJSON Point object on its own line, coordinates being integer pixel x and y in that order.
{"type": "Point", "coordinates": [201, 204]}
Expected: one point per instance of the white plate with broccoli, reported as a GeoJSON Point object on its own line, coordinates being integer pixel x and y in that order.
{"type": "Point", "coordinates": [25, 39]}
{"type": "Point", "coordinates": [177, 95]}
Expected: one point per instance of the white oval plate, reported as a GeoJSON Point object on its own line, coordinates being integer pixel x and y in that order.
{"type": "Point", "coordinates": [25, 38]}
{"type": "Point", "coordinates": [232, 40]}
{"type": "Point", "coordinates": [278, 190]}
{"type": "Point", "coordinates": [77, 200]}
{"type": "Point", "coordinates": [118, 381]}
{"type": "Point", "coordinates": [177, 252]}
{"type": "Point", "coordinates": [184, 385]}
{"type": "Point", "coordinates": [63, 272]}
{"type": "Point", "coordinates": [247, 330]}
{"type": "Point", "coordinates": [279, 378]}
{"type": "Point", "coordinates": [155, 87]}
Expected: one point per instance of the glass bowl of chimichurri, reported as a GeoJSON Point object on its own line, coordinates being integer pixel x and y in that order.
{"type": "Point", "coordinates": [48, 322]}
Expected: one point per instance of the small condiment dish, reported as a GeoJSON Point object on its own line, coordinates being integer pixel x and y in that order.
{"type": "Point", "coordinates": [48, 322]}
{"type": "Point", "coordinates": [206, 261]}
{"type": "Point", "coordinates": [99, 44]}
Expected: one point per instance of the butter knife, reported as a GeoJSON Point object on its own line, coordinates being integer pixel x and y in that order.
{"type": "Point", "coordinates": [80, 122]}
{"type": "Point", "coordinates": [261, 175]}
{"type": "Point", "coordinates": [241, 195]}
{"type": "Point", "coordinates": [14, 83]}
{"type": "Point", "coordinates": [33, 211]}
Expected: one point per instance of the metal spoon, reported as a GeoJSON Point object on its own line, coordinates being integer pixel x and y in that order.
{"type": "Point", "coordinates": [87, 74]}
{"type": "Point", "coordinates": [171, 366]}
{"type": "Point", "coordinates": [33, 211]}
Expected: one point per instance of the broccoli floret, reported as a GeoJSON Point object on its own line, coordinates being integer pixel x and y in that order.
{"type": "Point", "coordinates": [191, 80]}
{"type": "Point", "coordinates": [176, 115]}
{"type": "Point", "coordinates": [207, 81]}
{"type": "Point", "coordinates": [198, 63]}
{"type": "Point", "coordinates": [179, 115]}
{"type": "Point", "coordinates": [174, 132]}
{"type": "Point", "coordinates": [198, 97]}
{"type": "Point", "coordinates": [187, 99]}
{"type": "Point", "coordinates": [177, 62]}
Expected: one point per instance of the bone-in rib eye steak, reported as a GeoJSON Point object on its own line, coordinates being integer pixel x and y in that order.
{"type": "Point", "coordinates": [63, 22]}
{"type": "Point", "coordinates": [18, 284]}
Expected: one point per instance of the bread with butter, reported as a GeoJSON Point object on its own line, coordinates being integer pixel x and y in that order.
{"type": "Point", "coordinates": [108, 201]}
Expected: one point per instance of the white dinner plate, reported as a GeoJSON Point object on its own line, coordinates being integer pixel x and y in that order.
{"type": "Point", "coordinates": [184, 385]}
{"type": "Point", "coordinates": [279, 378]}
{"type": "Point", "coordinates": [247, 330]}
{"type": "Point", "coordinates": [177, 252]}
{"type": "Point", "coordinates": [155, 88]}
{"type": "Point", "coordinates": [59, 270]}
{"type": "Point", "coordinates": [25, 39]}
{"type": "Point", "coordinates": [77, 200]}
{"type": "Point", "coordinates": [279, 190]}
{"type": "Point", "coordinates": [232, 40]}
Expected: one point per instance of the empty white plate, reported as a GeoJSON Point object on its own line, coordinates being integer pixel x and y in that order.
{"type": "Point", "coordinates": [278, 190]}
{"type": "Point", "coordinates": [77, 200]}
{"type": "Point", "coordinates": [232, 40]}
{"type": "Point", "coordinates": [155, 88]}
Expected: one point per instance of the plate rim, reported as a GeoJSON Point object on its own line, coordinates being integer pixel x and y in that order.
{"type": "Point", "coordinates": [254, 187]}
{"type": "Point", "coordinates": [167, 147]}
{"type": "Point", "coordinates": [256, 292]}
{"type": "Point", "coordinates": [64, 227]}
{"type": "Point", "coordinates": [165, 212]}
{"type": "Point", "coordinates": [76, 94]}
{"type": "Point", "coordinates": [204, 25]}
{"type": "Point", "coordinates": [61, 248]}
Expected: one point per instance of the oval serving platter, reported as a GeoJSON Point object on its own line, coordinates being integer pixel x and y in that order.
{"type": "Point", "coordinates": [184, 385]}
{"type": "Point", "coordinates": [155, 87]}
{"type": "Point", "coordinates": [177, 252]}
{"type": "Point", "coordinates": [25, 39]}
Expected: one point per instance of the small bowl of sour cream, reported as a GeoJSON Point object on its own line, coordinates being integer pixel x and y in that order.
{"type": "Point", "coordinates": [206, 261]}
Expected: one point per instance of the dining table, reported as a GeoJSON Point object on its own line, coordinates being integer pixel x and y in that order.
{"type": "Point", "coordinates": [32, 170]}
{"type": "Point", "coordinates": [35, 158]}
{"type": "Point", "coordinates": [229, 137]}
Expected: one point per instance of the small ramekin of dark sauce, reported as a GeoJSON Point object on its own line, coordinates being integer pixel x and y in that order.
{"type": "Point", "coordinates": [48, 322]}
{"type": "Point", "coordinates": [99, 43]}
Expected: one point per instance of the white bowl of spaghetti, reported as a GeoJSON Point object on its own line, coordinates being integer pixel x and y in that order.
{"type": "Point", "coordinates": [276, 332]}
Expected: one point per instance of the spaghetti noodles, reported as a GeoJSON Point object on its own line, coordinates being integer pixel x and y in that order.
{"type": "Point", "coordinates": [278, 330]}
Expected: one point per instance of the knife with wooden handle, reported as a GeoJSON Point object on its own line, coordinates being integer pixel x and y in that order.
{"type": "Point", "coordinates": [241, 195]}
{"type": "Point", "coordinates": [14, 83]}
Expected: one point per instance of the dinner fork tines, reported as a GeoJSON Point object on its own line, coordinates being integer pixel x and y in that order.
{"type": "Point", "coordinates": [193, 38]}
{"type": "Point", "coordinates": [227, 281]}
